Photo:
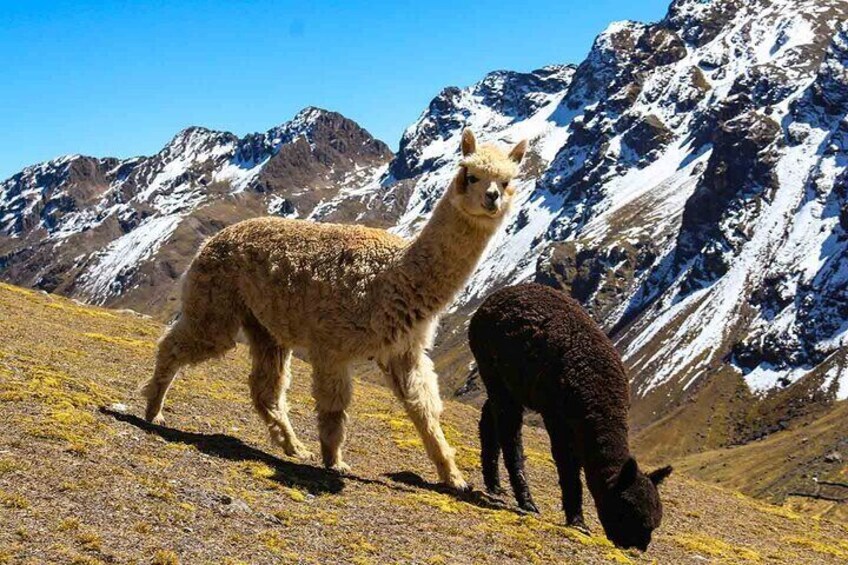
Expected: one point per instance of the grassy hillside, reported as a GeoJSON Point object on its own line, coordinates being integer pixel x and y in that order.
{"type": "Point", "coordinates": [770, 467]}
{"type": "Point", "coordinates": [84, 483]}
{"type": "Point", "coordinates": [785, 463]}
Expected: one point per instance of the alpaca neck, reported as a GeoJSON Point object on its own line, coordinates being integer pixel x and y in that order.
{"type": "Point", "coordinates": [605, 450]}
{"type": "Point", "coordinates": [439, 261]}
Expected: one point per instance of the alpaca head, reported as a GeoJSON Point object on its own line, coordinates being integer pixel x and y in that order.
{"type": "Point", "coordinates": [630, 509]}
{"type": "Point", "coordinates": [483, 187]}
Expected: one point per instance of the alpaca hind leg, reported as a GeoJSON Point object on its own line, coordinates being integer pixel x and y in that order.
{"type": "Point", "coordinates": [269, 380]}
{"type": "Point", "coordinates": [181, 345]}
{"type": "Point", "coordinates": [168, 362]}
{"type": "Point", "coordinates": [415, 383]}
{"type": "Point", "coordinates": [332, 388]}
{"type": "Point", "coordinates": [568, 468]}
{"type": "Point", "coordinates": [509, 419]}
{"type": "Point", "coordinates": [490, 449]}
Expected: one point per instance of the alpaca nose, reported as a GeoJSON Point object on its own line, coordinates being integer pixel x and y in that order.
{"type": "Point", "coordinates": [492, 196]}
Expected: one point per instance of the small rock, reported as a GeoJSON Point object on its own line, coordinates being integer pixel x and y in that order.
{"type": "Point", "coordinates": [274, 519]}
{"type": "Point", "coordinates": [119, 407]}
{"type": "Point", "coordinates": [240, 506]}
{"type": "Point", "coordinates": [833, 457]}
{"type": "Point", "coordinates": [233, 506]}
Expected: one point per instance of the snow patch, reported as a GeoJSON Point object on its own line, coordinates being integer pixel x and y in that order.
{"type": "Point", "coordinates": [123, 256]}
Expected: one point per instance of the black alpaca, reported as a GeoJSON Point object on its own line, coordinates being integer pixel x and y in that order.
{"type": "Point", "coordinates": [537, 348]}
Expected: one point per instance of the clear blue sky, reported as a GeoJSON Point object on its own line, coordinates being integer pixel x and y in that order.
{"type": "Point", "coordinates": [120, 78]}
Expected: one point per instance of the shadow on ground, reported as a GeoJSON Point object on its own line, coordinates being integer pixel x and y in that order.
{"type": "Point", "coordinates": [475, 497]}
{"type": "Point", "coordinates": [314, 480]}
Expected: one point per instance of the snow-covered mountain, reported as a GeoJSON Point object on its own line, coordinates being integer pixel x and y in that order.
{"type": "Point", "coordinates": [687, 182]}
{"type": "Point", "coordinates": [692, 190]}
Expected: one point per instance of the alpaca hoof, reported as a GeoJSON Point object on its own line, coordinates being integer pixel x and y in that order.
{"type": "Point", "coordinates": [340, 467]}
{"type": "Point", "coordinates": [297, 451]}
{"type": "Point", "coordinates": [580, 526]}
{"type": "Point", "coordinates": [496, 490]}
{"type": "Point", "coordinates": [529, 506]}
{"type": "Point", "coordinates": [302, 454]}
{"type": "Point", "coordinates": [452, 478]}
{"type": "Point", "coordinates": [156, 420]}
{"type": "Point", "coordinates": [459, 485]}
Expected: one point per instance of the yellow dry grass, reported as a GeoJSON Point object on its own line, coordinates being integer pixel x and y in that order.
{"type": "Point", "coordinates": [80, 485]}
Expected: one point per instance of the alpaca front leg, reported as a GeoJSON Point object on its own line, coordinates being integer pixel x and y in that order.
{"type": "Point", "coordinates": [415, 383]}
{"type": "Point", "coordinates": [332, 388]}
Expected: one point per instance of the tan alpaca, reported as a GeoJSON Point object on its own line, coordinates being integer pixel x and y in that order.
{"type": "Point", "coordinates": [342, 293]}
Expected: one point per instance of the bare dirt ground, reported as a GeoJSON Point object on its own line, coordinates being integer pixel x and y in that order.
{"type": "Point", "coordinates": [84, 481]}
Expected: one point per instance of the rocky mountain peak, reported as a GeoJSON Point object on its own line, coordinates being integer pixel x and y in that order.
{"type": "Point", "coordinates": [309, 115]}
{"type": "Point", "coordinates": [196, 137]}
{"type": "Point", "coordinates": [700, 21]}
{"type": "Point", "coordinates": [500, 99]}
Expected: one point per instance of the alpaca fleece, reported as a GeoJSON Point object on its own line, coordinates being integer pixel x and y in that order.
{"type": "Point", "coordinates": [537, 348]}
{"type": "Point", "coordinates": [341, 293]}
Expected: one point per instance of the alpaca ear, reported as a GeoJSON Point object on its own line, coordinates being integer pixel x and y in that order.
{"type": "Point", "coordinates": [469, 142]}
{"type": "Point", "coordinates": [461, 181]}
{"type": "Point", "coordinates": [517, 152]}
{"type": "Point", "coordinates": [628, 472]}
{"type": "Point", "coordinates": [659, 475]}
{"type": "Point", "coordinates": [626, 475]}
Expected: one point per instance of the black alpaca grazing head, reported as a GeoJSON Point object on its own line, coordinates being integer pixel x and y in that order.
{"type": "Point", "coordinates": [630, 509]}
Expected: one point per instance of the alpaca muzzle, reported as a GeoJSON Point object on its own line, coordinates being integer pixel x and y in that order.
{"type": "Point", "coordinates": [491, 200]}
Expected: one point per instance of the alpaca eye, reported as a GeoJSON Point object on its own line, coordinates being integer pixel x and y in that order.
{"type": "Point", "coordinates": [504, 184]}
{"type": "Point", "coordinates": [471, 179]}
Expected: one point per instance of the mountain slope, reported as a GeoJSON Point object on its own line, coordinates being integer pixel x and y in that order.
{"type": "Point", "coordinates": [85, 484]}
{"type": "Point", "coordinates": [795, 465]}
